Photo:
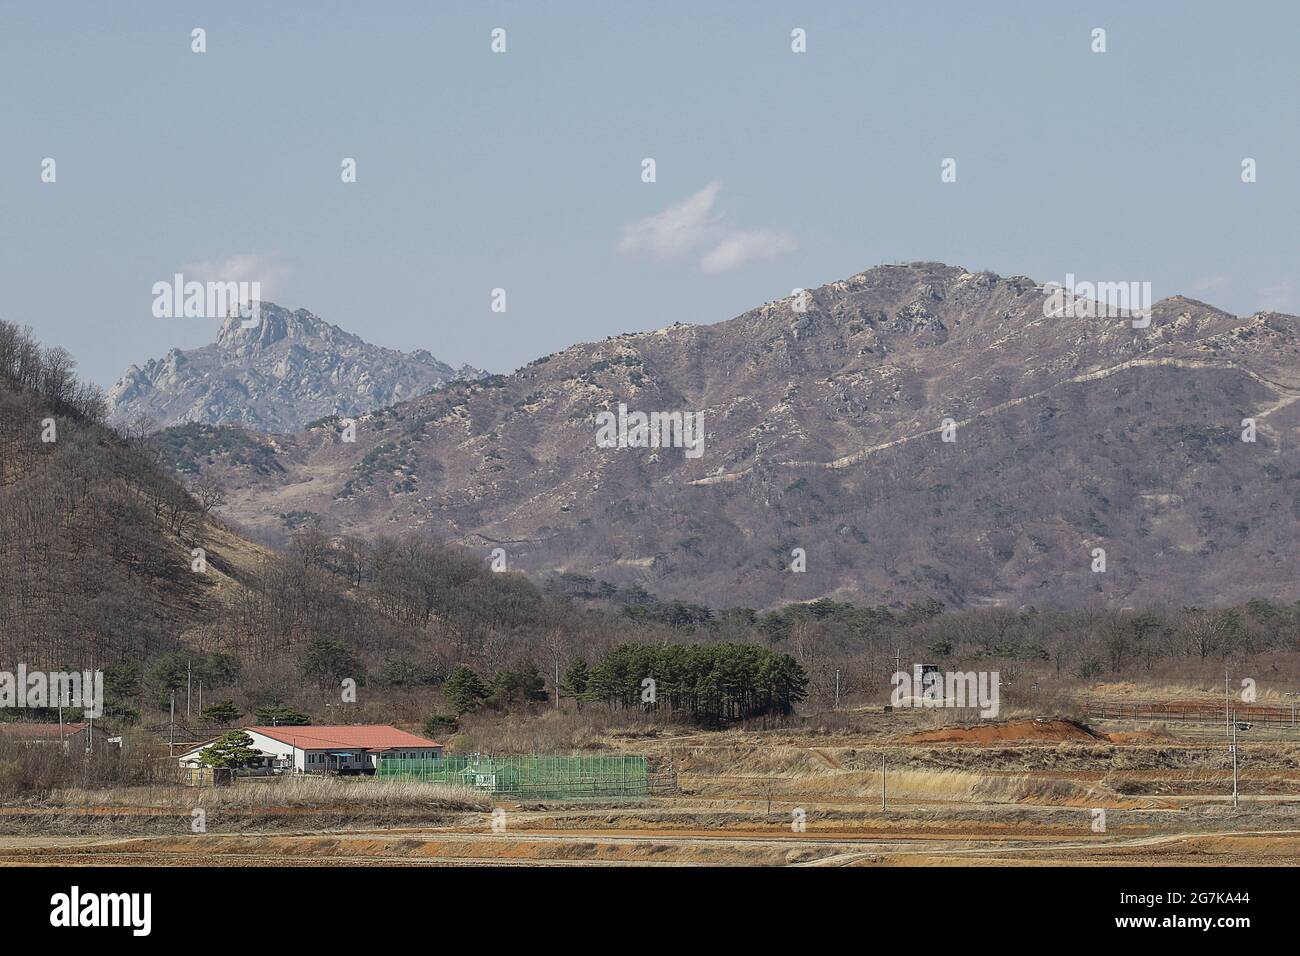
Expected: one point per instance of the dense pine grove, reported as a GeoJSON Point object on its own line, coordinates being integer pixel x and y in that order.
{"type": "Point", "coordinates": [709, 682]}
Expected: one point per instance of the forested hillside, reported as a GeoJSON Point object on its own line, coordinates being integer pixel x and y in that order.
{"type": "Point", "coordinates": [97, 538]}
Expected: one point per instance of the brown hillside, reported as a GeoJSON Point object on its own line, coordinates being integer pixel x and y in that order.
{"type": "Point", "coordinates": [824, 433]}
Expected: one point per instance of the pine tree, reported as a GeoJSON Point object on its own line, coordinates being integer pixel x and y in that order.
{"type": "Point", "coordinates": [575, 681]}
{"type": "Point", "coordinates": [278, 715]}
{"type": "Point", "coordinates": [464, 690]}
{"type": "Point", "coordinates": [230, 751]}
{"type": "Point", "coordinates": [222, 712]}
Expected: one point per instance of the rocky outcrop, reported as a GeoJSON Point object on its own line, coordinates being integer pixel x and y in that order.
{"type": "Point", "coordinates": [289, 370]}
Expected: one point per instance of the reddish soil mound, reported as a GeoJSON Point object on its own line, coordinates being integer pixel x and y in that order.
{"type": "Point", "coordinates": [1010, 730]}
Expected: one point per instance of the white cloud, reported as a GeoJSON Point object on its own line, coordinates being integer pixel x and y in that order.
{"type": "Point", "coordinates": [241, 267]}
{"type": "Point", "coordinates": [691, 225]}
{"type": "Point", "coordinates": [740, 247]}
{"type": "Point", "coordinates": [679, 229]}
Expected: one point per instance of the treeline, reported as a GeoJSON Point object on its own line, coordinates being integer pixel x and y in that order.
{"type": "Point", "coordinates": [637, 604]}
{"type": "Point", "coordinates": [708, 683]}
{"type": "Point", "coordinates": [856, 648]}
{"type": "Point", "coordinates": [1115, 638]}
{"type": "Point", "coordinates": [411, 613]}
{"type": "Point", "coordinates": [49, 373]}
{"type": "Point", "coordinates": [1095, 639]}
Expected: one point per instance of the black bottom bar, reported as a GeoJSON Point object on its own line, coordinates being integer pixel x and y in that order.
{"type": "Point", "coordinates": [946, 906]}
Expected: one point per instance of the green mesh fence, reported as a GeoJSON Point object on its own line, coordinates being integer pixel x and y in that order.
{"type": "Point", "coordinates": [537, 776]}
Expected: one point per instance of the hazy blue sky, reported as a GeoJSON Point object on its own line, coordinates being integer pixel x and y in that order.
{"type": "Point", "coordinates": [523, 170]}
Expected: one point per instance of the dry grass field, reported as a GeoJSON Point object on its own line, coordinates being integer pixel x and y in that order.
{"type": "Point", "coordinates": [1023, 790]}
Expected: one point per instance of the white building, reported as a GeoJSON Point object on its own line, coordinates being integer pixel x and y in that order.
{"type": "Point", "coordinates": [339, 749]}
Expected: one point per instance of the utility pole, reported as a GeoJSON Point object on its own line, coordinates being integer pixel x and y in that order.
{"type": "Point", "coordinates": [171, 740]}
{"type": "Point", "coordinates": [1234, 765]}
{"type": "Point", "coordinates": [882, 781]}
{"type": "Point", "coordinates": [187, 691]}
{"type": "Point", "coordinates": [1227, 705]}
{"type": "Point", "coordinates": [557, 682]}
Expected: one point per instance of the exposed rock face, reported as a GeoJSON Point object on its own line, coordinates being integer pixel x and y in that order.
{"type": "Point", "coordinates": [825, 431]}
{"type": "Point", "coordinates": [291, 369]}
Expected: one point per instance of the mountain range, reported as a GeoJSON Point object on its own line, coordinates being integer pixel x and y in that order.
{"type": "Point", "coordinates": [910, 432]}
{"type": "Point", "coordinates": [290, 369]}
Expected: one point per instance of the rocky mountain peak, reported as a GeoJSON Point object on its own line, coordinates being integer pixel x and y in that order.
{"type": "Point", "coordinates": [288, 370]}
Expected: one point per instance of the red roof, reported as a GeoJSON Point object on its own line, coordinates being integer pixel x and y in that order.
{"type": "Point", "coordinates": [39, 731]}
{"type": "Point", "coordinates": [346, 737]}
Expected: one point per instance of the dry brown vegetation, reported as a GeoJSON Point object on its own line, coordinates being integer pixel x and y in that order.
{"type": "Point", "coordinates": [261, 793]}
